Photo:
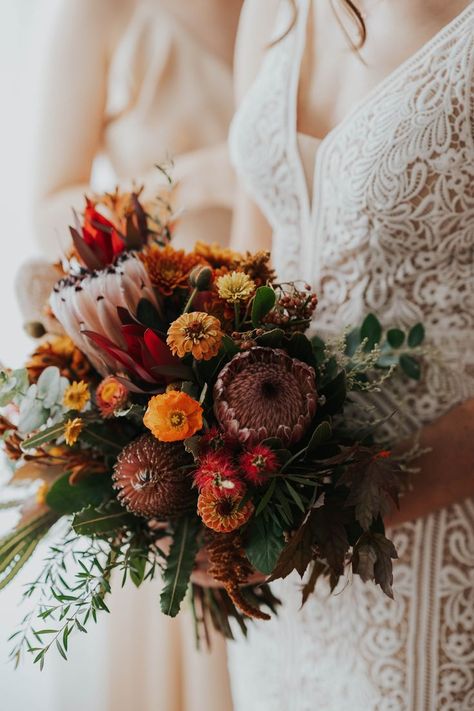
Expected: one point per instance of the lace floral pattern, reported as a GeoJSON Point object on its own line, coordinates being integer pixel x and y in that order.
{"type": "Point", "coordinates": [401, 228]}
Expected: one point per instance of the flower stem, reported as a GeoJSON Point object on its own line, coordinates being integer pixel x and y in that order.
{"type": "Point", "coordinates": [237, 314]}
{"type": "Point", "coordinates": [190, 301]}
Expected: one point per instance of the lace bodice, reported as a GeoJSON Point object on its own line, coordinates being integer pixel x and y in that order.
{"type": "Point", "coordinates": [388, 227]}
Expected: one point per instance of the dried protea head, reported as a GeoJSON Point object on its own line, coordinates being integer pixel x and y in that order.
{"type": "Point", "coordinates": [264, 393]}
{"type": "Point", "coordinates": [151, 481]}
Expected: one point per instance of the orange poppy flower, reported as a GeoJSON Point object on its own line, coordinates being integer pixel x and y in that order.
{"type": "Point", "coordinates": [173, 416]}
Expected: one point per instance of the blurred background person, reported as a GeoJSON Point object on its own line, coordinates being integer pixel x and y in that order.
{"type": "Point", "coordinates": [132, 84]}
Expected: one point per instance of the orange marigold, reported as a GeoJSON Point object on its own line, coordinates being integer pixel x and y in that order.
{"type": "Point", "coordinates": [173, 416]}
{"type": "Point", "coordinates": [169, 268]}
{"type": "Point", "coordinates": [61, 352]}
{"type": "Point", "coordinates": [197, 333]}
{"type": "Point", "coordinates": [223, 514]}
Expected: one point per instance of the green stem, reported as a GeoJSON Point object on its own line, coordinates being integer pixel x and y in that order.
{"type": "Point", "coordinates": [237, 314]}
{"type": "Point", "coordinates": [190, 300]}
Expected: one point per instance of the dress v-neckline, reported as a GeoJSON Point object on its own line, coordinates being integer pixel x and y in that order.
{"type": "Point", "coordinates": [311, 191]}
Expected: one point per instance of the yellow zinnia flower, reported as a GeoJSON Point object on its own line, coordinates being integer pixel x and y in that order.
{"type": "Point", "coordinates": [235, 287]}
{"type": "Point", "coordinates": [72, 431]}
{"type": "Point", "coordinates": [197, 333]}
{"type": "Point", "coordinates": [76, 396]}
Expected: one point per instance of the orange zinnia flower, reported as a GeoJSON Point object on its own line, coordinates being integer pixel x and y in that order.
{"type": "Point", "coordinates": [197, 333]}
{"type": "Point", "coordinates": [223, 514]}
{"type": "Point", "coordinates": [173, 416]}
{"type": "Point", "coordinates": [169, 268]}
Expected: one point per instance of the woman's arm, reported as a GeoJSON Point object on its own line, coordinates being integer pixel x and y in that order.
{"type": "Point", "coordinates": [446, 471]}
{"type": "Point", "coordinates": [250, 230]}
{"type": "Point", "coordinates": [72, 113]}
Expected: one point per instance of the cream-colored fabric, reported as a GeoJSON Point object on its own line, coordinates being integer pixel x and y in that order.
{"type": "Point", "coordinates": [378, 217]}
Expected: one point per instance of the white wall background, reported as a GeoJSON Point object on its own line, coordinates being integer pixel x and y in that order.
{"type": "Point", "coordinates": [24, 31]}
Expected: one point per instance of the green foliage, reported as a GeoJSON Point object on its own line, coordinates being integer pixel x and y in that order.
{"type": "Point", "coordinates": [179, 565]}
{"type": "Point", "coordinates": [13, 386]}
{"type": "Point", "coordinates": [321, 435]}
{"type": "Point", "coordinates": [107, 519]}
{"type": "Point", "coordinates": [150, 317]}
{"type": "Point", "coordinates": [263, 302]}
{"type": "Point", "coordinates": [17, 547]}
{"type": "Point", "coordinates": [300, 347]}
{"type": "Point", "coordinates": [395, 337]}
{"type": "Point", "coordinates": [371, 331]}
{"type": "Point", "coordinates": [91, 491]}
{"type": "Point", "coordinates": [416, 335]}
{"type": "Point", "coordinates": [264, 542]}
{"type": "Point", "coordinates": [44, 436]}
{"type": "Point", "coordinates": [271, 339]}
{"type": "Point", "coordinates": [42, 401]}
{"type": "Point", "coordinates": [410, 366]}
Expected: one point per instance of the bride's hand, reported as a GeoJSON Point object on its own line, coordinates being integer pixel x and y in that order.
{"type": "Point", "coordinates": [446, 470]}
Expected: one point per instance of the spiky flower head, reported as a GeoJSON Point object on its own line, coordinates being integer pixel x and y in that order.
{"type": "Point", "coordinates": [197, 333]}
{"type": "Point", "coordinates": [216, 469]}
{"type": "Point", "coordinates": [257, 463]}
{"type": "Point", "coordinates": [76, 396]}
{"type": "Point", "coordinates": [223, 513]}
{"type": "Point", "coordinates": [168, 268]}
{"type": "Point", "coordinates": [235, 287]}
{"type": "Point", "coordinates": [151, 479]}
{"type": "Point", "coordinates": [263, 392]}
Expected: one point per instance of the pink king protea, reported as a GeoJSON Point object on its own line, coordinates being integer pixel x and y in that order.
{"type": "Point", "coordinates": [89, 303]}
{"type": "Point", "coordinates": [264, 393]}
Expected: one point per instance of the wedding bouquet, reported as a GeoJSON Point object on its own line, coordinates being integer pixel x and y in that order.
{"type": "Point", "coordinates": [180, 418]}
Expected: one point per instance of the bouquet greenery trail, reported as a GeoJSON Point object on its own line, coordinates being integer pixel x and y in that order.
{"type": "Point", "coordinates": [177, 417]}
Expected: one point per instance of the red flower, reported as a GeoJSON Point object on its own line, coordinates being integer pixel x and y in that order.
{"type": "Point", "coordinates": [257, 463]}
{"type": "Point", "coordinates": [217, 470]}
{"type": "Point", "coordinates": [99, 242]}
{"type": "Point", "coordinates": [146, 356]}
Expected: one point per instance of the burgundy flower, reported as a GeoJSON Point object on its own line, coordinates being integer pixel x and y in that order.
{"type": "Point", "coordinates": [217, 470]}
{"type": "Point", "coordinates": [151, 480]}
{"type": "Point", "coordinates": [264, 393]}
{"type": "Point", "coordinates": [257, 463]}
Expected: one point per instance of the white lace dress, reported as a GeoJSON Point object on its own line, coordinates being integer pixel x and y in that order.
{"type": "Point", "coordinates": [389, 229]}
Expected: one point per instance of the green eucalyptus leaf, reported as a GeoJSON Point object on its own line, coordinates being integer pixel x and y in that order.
{"type": "Point", "coordinates": [371, 330]}
{"type": "Point", "coordinates": [410, 366]}
{"type": "Point", "coordinates": [416, 335]}
{"type": "Point", "coordinates": [179, 565]}
{"type": "Point", "coordinates": [353, 339]}
{"type": "Point", "coordinates": [335, 393]}
{"type": "Point", "coordinates": [263, 302]}
{"type": "Point", "coordinates": [395, 337]}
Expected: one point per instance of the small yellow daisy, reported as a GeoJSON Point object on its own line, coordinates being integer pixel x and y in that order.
{"type": "Point", "coordinates": [76, 396]}
{"type": "Point", "coordinates": [72, 431]}
{"type": "Point", "coordinates": [235, 287]}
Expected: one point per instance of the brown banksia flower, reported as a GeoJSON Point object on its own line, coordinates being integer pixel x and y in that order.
{"type": "Point", "coordinates": [229, 565]}
{"type": "Point", "coordinates": [262, 393]}
{"type": "Point", "coordinates": [151, 481]}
